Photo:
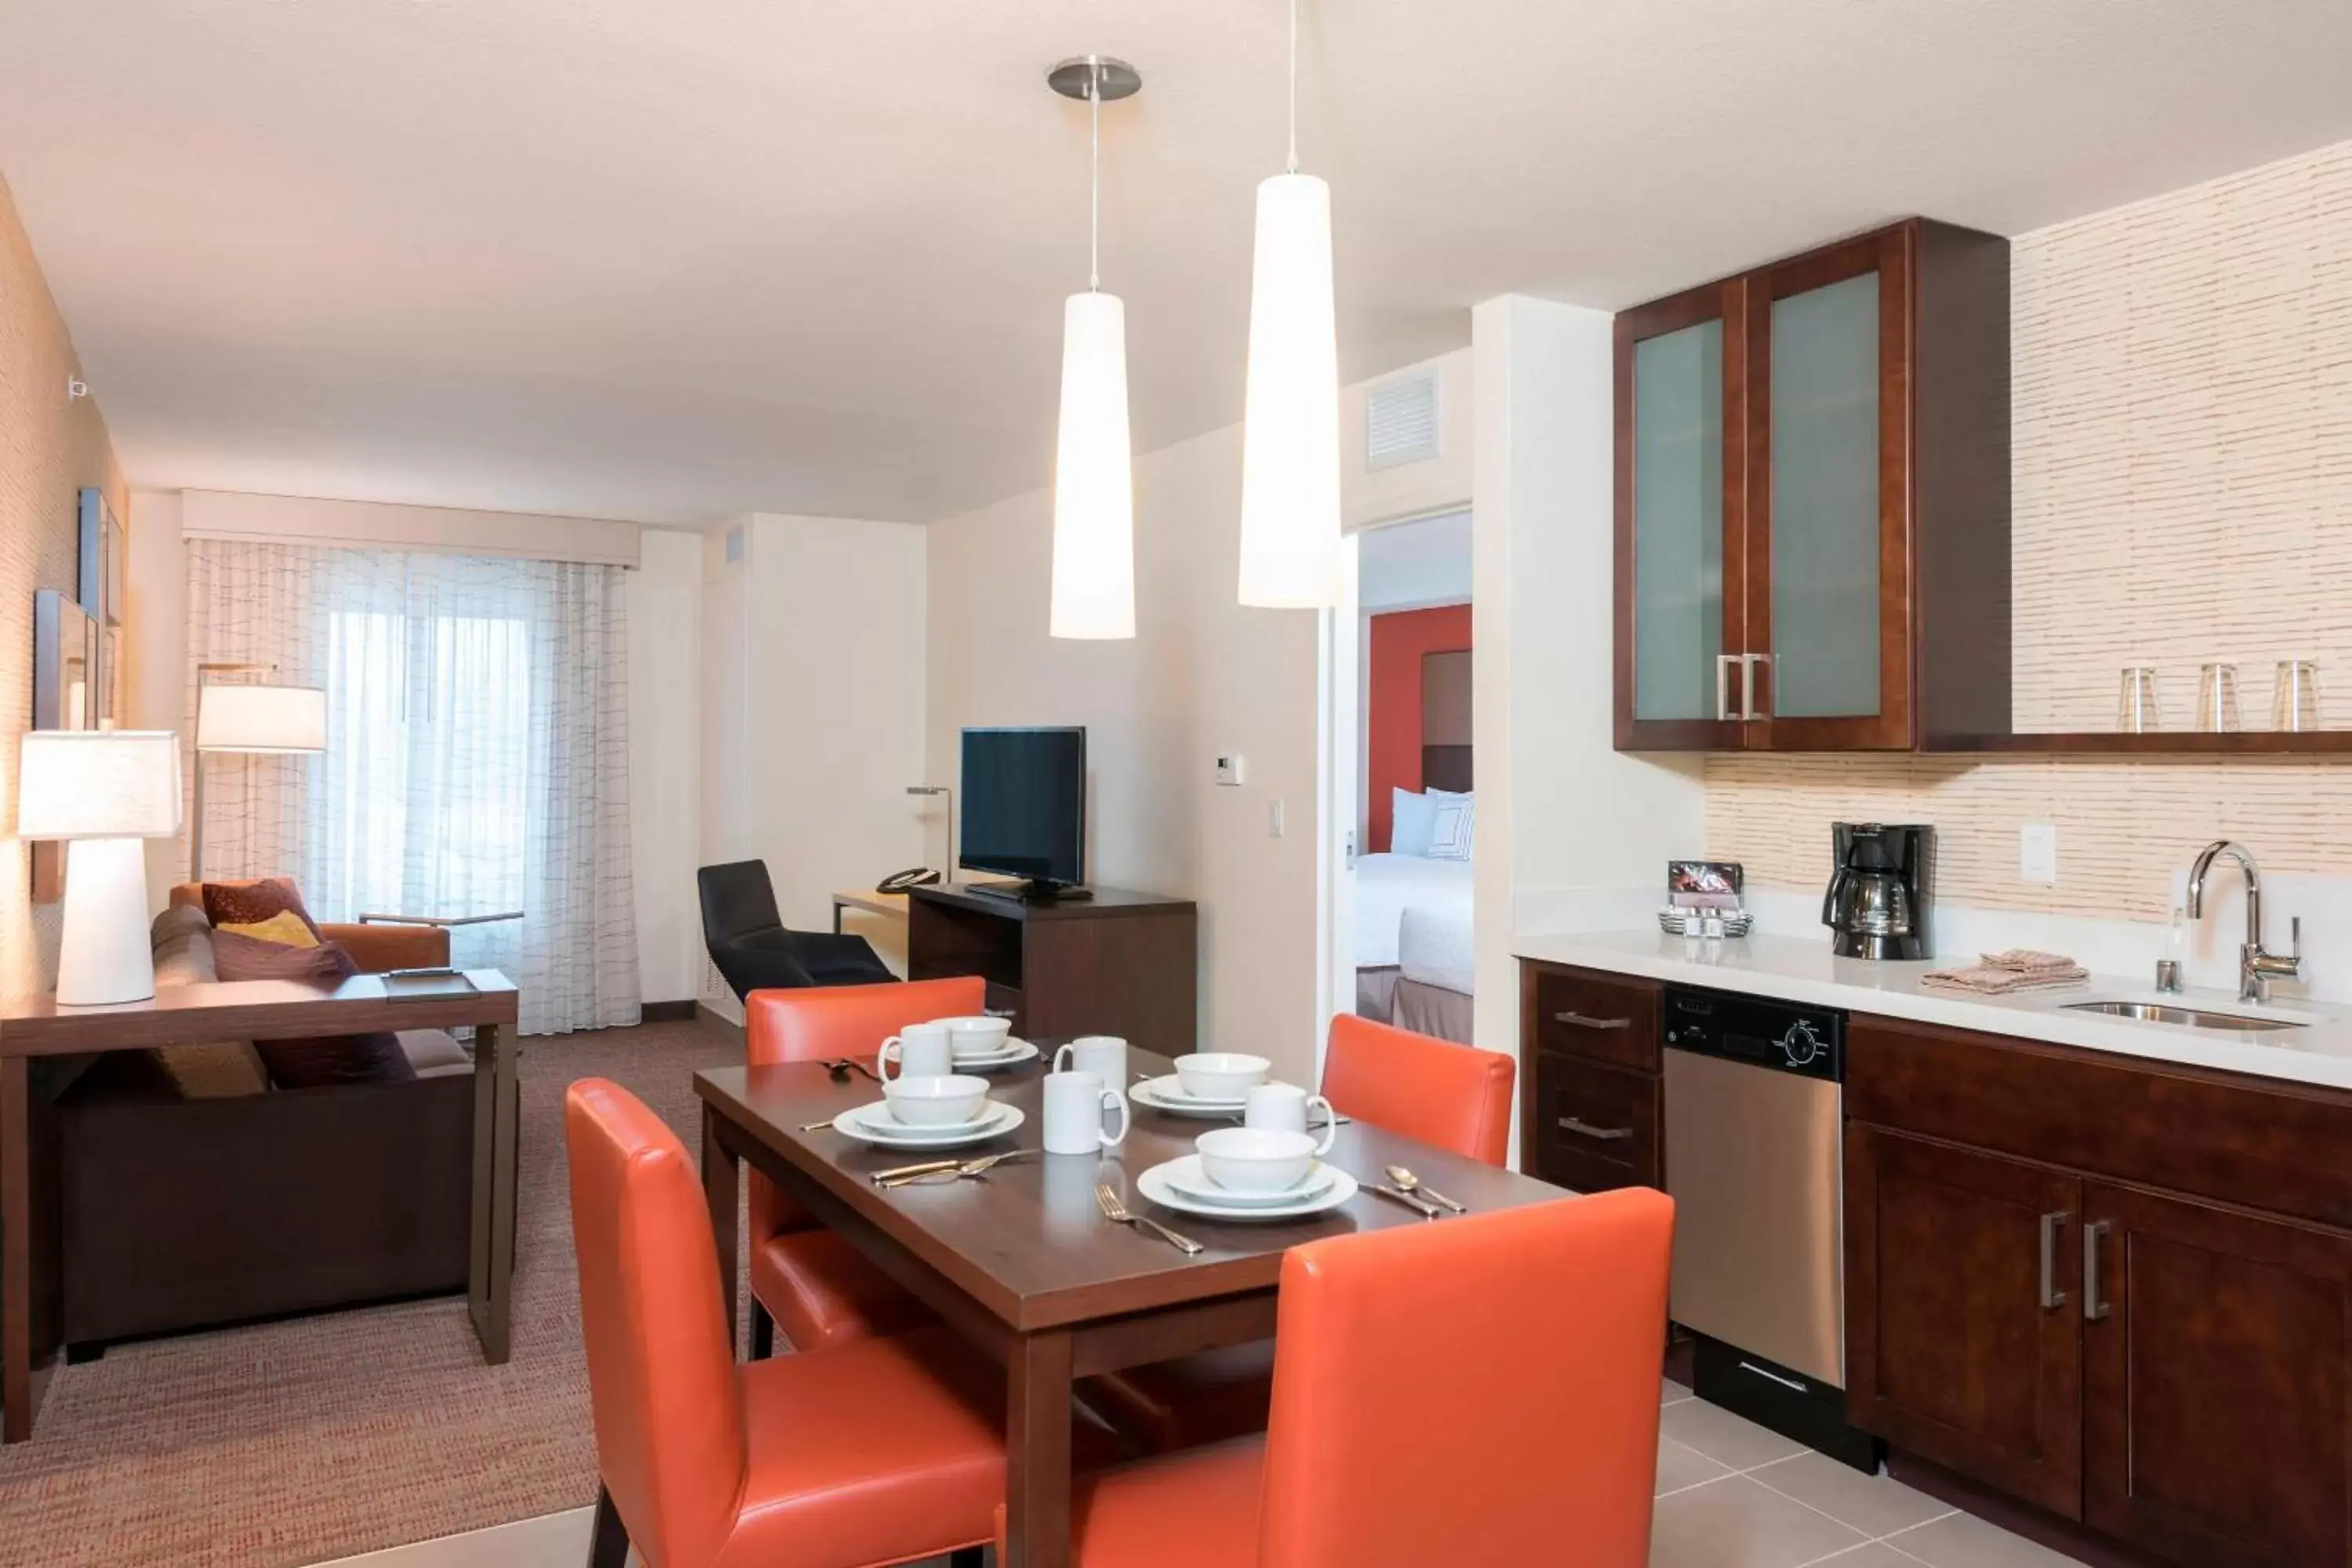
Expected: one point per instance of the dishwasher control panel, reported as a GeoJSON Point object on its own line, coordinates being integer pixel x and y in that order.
{"type": "Point", "coordinates": [1808, 1041]}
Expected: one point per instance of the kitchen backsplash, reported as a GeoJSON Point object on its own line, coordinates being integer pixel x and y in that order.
{"type": "Point", "coordinates": [2182, 414]}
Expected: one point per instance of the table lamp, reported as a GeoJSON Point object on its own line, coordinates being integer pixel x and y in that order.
{"type": "Point", "coordinates": [102, 791]}
{"type": "Point", "coordinates": [254, 721]}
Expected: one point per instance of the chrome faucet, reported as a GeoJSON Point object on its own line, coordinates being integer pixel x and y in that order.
{"type": "Point", "coordinates": [2256, 968]}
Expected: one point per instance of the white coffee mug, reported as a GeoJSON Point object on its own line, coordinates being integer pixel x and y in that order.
{"type": "Point", "coordinates": [1105, 1056]}
{"type": "Point", "coordinates": [1282, 1108]}
{"type": "Point", "coordinates": [1075, 1102]}
{"type": "Point", "coordinates": [921, 1050]}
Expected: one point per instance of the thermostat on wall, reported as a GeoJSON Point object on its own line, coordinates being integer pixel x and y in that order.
{"type": "Point", "coordinates": [1229, 769]}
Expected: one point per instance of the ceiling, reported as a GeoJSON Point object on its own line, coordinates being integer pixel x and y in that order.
{"type": "Point", "coordinates": [643, 259]}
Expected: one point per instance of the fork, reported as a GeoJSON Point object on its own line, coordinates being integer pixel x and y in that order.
{"type": "Point", "coordinates": [1115, 1210]}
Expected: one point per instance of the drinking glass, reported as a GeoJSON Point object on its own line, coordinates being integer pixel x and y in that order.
{"type": "Point", "coordinates": [2137, 713]}
{"type": "Point", "coordinates": [2295, 703]}
{"type": "Point", "coordinates": [2217, 697]}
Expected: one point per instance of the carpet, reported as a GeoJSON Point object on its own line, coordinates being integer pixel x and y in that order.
{"type": "Point", "coordinates": [323, 1436]}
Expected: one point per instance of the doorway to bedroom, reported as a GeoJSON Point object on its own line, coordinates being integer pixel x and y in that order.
{"type": "Point", "coordinates": [1403, 951]}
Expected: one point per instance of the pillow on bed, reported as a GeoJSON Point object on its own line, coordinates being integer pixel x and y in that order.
{"type": "Point", "coordinates": [1453, 822]}
{"type": "Point", "coordinates": [1414, 817]}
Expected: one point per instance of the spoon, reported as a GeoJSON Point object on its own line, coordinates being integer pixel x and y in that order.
{"type": "Point", "coordinates": [1407, 1182]}
{"type": "Point", "coordinates": [839, 1070]}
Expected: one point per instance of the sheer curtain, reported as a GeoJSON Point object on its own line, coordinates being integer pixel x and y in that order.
{"type": "Point", "coordinates": [476, 754]}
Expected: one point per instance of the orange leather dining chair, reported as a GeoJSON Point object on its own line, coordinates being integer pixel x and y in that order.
{"type": "Point", "coordinates": [818, 1287]}
{"type": "Point", "coordinates": [1451, 1097]}
{"type": "Point", "coordinates": [876, 1453]}
{"type": "Point", "coordinates": [1480, 1394]}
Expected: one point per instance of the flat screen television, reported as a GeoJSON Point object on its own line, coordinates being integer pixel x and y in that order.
{"type": "Point", "coordinates": [1025, 805]}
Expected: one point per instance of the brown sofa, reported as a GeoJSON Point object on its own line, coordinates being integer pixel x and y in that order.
{"type": "Point", "coordinates": [194, 1194]}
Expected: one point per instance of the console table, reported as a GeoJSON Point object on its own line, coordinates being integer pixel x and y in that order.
{"type": "Point", "coordinates": [250, 1010]}
{"type": "Point", "coordinates": [1118, 962]}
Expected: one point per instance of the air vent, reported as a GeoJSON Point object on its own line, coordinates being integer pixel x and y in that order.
{"type": "Point", "coordinates": [1401, 421]}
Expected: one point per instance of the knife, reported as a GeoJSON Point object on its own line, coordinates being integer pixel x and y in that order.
{"type": "Point", "coordinates": [925, 1168]}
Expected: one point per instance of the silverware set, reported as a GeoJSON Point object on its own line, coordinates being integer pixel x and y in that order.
{"type": "Point", "coordinates": [1115, 1210]}
{"type": "Point", "coordinates": [931, 1170]}
{"type": "Point", "coordinates": [1412, 1192]}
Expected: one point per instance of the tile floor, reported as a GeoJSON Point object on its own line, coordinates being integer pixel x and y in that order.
{"type": "Point", "coordinates": [1730, 1495]}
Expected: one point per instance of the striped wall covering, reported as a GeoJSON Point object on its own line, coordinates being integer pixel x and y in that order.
{"type": "Point", "coordinates": [2183, 493]}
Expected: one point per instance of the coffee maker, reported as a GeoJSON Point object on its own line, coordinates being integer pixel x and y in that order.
{"type": "Point", "coordinates": [1878, 892]}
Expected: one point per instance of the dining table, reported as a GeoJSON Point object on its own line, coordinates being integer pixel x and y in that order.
{"type": "Point", "coordinates": [1024, 1264]}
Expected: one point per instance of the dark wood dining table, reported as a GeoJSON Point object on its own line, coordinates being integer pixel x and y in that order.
{"type": "Point", "coordinates": [1023, 1265]}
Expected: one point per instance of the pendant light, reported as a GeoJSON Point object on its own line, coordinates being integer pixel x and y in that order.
{"type": "Point", "coordinates": [1094, 478]}
{"type": "Point", "coordinates": [1290, 431]}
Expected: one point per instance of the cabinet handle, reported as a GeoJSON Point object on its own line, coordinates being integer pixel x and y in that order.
{"type": "Point", "coordinates": [1747, 663]}
{"type": "Point", "coordinates": [1582, 1022]}
{"type": "Point", "coordinates": [2051, 1296]}
{"type": "Point", "coordinates": [1586, 1129]}
{"type": "Point", "coordinates": [2093, 1310]}
{"type": "Point", "coordinates": [1723, 662]}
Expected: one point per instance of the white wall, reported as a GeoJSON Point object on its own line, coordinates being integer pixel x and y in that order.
{"type": "Point", "coordinates": [1407, 565]}
{"type": "Point", "coordinates": [1570, 831]}
{"type": "Point", "coordinates": [812, 672]}
{"type": "Point", "coordinates": [665, 599]}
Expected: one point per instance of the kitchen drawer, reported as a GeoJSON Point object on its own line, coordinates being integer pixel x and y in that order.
{"type": "Point", "coordinates": [1606, 1018]}
{"type": "Point", "coordinates": [1591, 1128]}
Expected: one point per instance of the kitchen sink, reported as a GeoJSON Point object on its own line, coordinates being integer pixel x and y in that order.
{"type": "Point", "coordinates": [2191, 1017]}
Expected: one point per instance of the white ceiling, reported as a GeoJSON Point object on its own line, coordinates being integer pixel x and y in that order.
{"type": "Point", "coordinates": [667, 261]}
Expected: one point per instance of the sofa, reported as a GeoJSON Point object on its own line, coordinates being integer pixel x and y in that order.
{"type": "Point", "coordinates": [194, 1191]}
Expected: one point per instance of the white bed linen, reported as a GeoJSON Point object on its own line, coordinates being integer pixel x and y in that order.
{"type": "Point", "coordinates": [1387, 885]}
{"type": "Point", "coordinates": [1434, 946]}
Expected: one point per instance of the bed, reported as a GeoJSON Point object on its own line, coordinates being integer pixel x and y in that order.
{"type": "Point", "coordinates": [1412, 943]}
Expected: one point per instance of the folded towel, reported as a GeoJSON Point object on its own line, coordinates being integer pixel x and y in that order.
{"type": "Point", "coordinates": [2025, 961]}
{"type": "Point", "coordinates": [1990, 980]}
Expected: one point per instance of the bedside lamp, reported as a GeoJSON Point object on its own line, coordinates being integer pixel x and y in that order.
{"type": "Point", "coordinates": [254, 721]}
{"type": "Point", "coordinates": [102, 791]}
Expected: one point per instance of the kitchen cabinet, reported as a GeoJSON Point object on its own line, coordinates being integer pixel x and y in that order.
{"type": "Point", "coordinates": [1812, 501]}
{"type": "Point", "coordinates": [1590, 1111]}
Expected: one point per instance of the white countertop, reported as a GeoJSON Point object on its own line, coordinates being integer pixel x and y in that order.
{"type": "Point", "coordinates": [1806, 972]}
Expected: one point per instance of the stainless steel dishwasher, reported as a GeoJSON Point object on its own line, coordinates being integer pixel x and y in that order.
{"type": "Point", "coordinates": [1753, 1162]}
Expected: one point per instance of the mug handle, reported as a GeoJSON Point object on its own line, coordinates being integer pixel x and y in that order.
{"type": "Point", "coordinates": [1062, 1054]}
{"type": "Point", "coordinates": [882, 1060]}
{"type": "Point", "coordinates": [1111, 1097]}
{"type": "Point", "coordinates": [1331, 1123]}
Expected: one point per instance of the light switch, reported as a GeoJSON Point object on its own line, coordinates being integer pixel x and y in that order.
{"type": "Point", "coordinates": [2037, 853]}
{"type": "Point", "coordinates": [1229, 769]}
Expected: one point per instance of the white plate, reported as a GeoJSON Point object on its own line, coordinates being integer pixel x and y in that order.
{"type": "Point", "coordinates": [1188, 1177]}
{"type": "Point", "coordinates": [1153, 1184]}
{"type": "Point", "coordinates": [1012, 1055]}
{"type": "Point", "coordinates": [1168, 1094]}
{"type": "Point", "coordinates": [874, 1124]}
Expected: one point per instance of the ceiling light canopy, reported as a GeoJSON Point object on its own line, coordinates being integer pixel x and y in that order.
{"type": "Point", "coordinates": [1290, 433]}
{"type": "Point", "coordinates": [1094, 474]}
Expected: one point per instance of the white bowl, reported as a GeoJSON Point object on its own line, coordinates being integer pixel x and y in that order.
{"type": "Point", "coordinates": [936, 1102]}
{"type": "Point", "coordinates": [976, 1036]}
{"type": "Point", "coordinates": [1221, 1075]}
{"type": "Point", "coordinates": [1256, 1159]}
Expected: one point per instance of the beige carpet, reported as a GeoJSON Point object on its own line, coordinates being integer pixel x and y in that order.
{"type": "Point", "coordinates": [324, 1437]}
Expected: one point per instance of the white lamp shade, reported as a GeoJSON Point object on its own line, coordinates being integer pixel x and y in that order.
{"type": "Point", "coordinates": [261, 719]}
{"type": "Point", "coordinates": [1290, 433]}
{"type": "Point", "coordinates": [94, 784]}
{"type": "Point", "coordinates": [1094, 477]}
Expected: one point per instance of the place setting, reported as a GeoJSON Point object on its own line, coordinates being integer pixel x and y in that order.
{"type": "Point", "coordinates": [979, 1043]}
{"type": "Point", "coordinates": [930, 1103]}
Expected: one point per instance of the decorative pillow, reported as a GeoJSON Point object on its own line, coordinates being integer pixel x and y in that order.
{"type": "Point", "coordinates": [216, 1069]}
{"type": "Point", "coordinates": [249, 903]}
{"type": "Point", "coordinates": [315, 1060]}
{"type": "Point", "coordinates": [1454, 822]}
{"type": "Point", "coordinates": [285, 928]}
{"type": "Point", "coordinates": [1414, 818]}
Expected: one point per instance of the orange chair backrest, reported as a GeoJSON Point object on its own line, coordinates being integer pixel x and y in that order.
{"type": "Point", "coordinates": [817, 1022]}
{"type": "Point", "coordinates": [670, 1444]}
{"type": "Point", "coordinates": [1450, 1096]}
{"type": "Point", "coordinates": [1515, 1354]}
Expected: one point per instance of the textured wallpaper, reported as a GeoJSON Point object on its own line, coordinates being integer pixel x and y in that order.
{"type": "Point", "coordinates": [49, 448]}
{"type": "Point", "coordinates": [2183, 493]}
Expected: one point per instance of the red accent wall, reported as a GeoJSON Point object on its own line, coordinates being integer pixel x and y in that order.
{"type": "Point", "coordinates": [1392, 703]}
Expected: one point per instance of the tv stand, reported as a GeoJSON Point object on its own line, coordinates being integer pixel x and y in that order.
{"type": "Point", "coordinates": [1034, 892]}
{"type": "Point", "coordinates": [1111, 963]}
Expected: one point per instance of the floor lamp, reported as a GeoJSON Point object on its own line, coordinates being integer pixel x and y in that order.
{"type": "Point", "coordinates": [254, 721]}
{"type": "Point", "coordinates": [101, 791]}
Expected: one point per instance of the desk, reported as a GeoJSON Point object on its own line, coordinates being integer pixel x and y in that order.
{"type": "Point", "coordinates": [248, 1010]}
{"type": "Point", "coordinates": [889, 906]}
{"type": "Point", "coordinates": [1023, 1265]}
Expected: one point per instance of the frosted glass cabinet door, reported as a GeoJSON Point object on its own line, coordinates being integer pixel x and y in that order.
{"type": "Point", "coordinates": [1677, 523]}
{"type": "Point", "coordinates": [1823, 465]}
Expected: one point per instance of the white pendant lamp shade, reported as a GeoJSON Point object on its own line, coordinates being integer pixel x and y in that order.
{"type": "Point", "coordinates": [1094, 485]}
{"type": "Point", "coordinates": [1291, 435]}
{"type": "Point", "coordinates": [263, 719]}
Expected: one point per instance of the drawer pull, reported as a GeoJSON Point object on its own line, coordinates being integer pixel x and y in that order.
{"type": "Point", "coordinates": [1582, 1022]}
{"type": "Point", "coordinates": [2051, 1296]}
{"type": "Point", "coordinates": [2094, 1308]}
{"type": "Point", "coordinates": [1586, 1129]}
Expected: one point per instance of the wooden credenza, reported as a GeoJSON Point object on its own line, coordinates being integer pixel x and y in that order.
{"type": "Point", "coordinates": [1119, 963]}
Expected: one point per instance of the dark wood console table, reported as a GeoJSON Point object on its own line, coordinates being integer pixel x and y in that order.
{"type": "Point", "coordinates": [1116, 964]}
{"type": "Point", "coordinates": [249, 1009]}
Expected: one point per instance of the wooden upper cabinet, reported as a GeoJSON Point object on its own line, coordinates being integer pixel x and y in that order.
{"type": "Point", "coordinates": [1812, 501]}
